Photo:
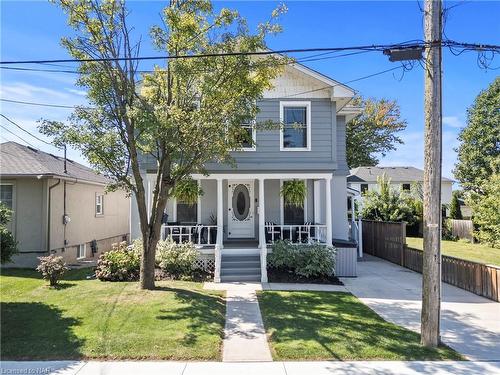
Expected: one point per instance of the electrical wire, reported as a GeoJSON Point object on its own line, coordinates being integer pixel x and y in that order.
{"type": "Point", "coordinates": [26, 131]}
{"type": "Point", "coordinates": [15, 135]}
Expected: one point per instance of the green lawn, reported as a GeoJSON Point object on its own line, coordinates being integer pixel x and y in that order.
{"type": "Point", "coordinates": [476, 252]}
{"type": "Point", "coordinates": [325, 325]}
{"type": "Point", "coordinates": [94, 319]}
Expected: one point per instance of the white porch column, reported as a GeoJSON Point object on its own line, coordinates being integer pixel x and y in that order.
{"type": "Point", "coordinates": [328, 204]}
{"type": "Point", "coordinates": [262, 232]}
{"type": "Point", "coordinates": [220, 231]}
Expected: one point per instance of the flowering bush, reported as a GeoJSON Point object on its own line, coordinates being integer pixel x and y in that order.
{"type": "Point", "coordinates": [307, 260]}
{"type": "Point", "coordinates": [52, 268]}
{"type": "Point", "coordinates": [119, 264]}
{"type": "Point", "coordinates": [177, 260]}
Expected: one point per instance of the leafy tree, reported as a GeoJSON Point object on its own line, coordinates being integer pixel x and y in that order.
{"type": "Point", "coordinates": [480, 140]}
{"type": "Point", "coordinates": [389, 204]}
{"type": "Point", "coordinates": [455, 212]}
{"type": "Point", "coordinates": [181, 115]}
{"type": "Point", "coordinates": [486, 211]}
{"type": "Point", "coordinates": [8, 245]}
{"type": "Point", "coordinates": [373, 132]}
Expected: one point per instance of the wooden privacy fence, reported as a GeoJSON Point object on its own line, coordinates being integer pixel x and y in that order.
{"type": "Point", "coordinates": [387, 240]}
{"type": "Point", "coordinates": [462, 229]}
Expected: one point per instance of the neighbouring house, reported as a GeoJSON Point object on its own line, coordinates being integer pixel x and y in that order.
{"type": "Point", "coordinates": [364, 179]}
{"type": "Point", "coordinates": [59, 207]}
{"type": "Point", "coordinates": [242, 211]}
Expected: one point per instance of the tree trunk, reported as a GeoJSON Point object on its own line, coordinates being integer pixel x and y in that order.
{"type": "Point", "coordinates": [147, 275]}
{"type": "Point", "coordinates": [431, 273]}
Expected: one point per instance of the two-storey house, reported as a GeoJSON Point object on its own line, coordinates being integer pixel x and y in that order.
{"type": "Point", "coordinates": [242, 211]}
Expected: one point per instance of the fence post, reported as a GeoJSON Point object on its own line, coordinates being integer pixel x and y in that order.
{"type": "Point", "coordinates": [403, 242]}
{"type": "Point", "coordinates": [360, 237]}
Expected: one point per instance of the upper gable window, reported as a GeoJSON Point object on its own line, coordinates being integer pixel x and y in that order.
{"type": "Point", "coordinates": [295, 134]}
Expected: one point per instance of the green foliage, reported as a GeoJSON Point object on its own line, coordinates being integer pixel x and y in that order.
{"type": "Point", "coordinates": [307, 260]}
{"type": "Point", "coordinates": [187, 191]}
{"type": "Point", "coordinates": [373, 132]}
{"type": "Point", "coordinates": [294, 192]}
{"type": "Point", "coordinates": [177, 260]}
{"type": "Point", "coordinates": [120, 263]}
{"type": "Point", "coordinates": [8, 245]}
{"type": "Point", "coordinates": [455, 212]}
{"type": "Point", "coordinates": [486, 211]}
{"type": "Point", "coordinates": [479, 150]}
{"type": "Point", "coordinates": [389, 204]}
{"type": "Point", "coordinates": [52, 268]}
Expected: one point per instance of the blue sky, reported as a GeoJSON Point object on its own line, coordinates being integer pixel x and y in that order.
{"type": "Point", "coordinates": [32, 29]}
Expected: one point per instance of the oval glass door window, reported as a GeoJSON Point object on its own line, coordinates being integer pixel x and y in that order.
{"type": "Point", "coordinates": [241, 202]}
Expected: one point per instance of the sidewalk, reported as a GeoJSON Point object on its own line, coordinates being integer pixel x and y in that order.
{"type": "Point", "coordinates": [244, 334]}
{"type": "Point", "coordinates": [470, 324]}
{"type": "Point", "coordinates": [250, 368]}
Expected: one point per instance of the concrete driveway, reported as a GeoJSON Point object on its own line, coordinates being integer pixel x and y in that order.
{"type": "Point", "coordinates": [469, 324]}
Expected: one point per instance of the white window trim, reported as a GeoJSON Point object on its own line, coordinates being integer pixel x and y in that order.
{"type": "Point", "coordinates": [282, 202]}
{"type": "Point", "coordinates": [253, 123]}
{"type": "Point", "coordinates": [84, 251]}
{"type": "Point", "coordinates": [99, 214]}
{"type": "Point", "coordinates": [306, 104]}
{"type": "Point", "coordinates": [13, 221]}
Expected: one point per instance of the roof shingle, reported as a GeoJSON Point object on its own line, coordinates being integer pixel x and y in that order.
{"type": "Point", "coordinates": [20, 160]}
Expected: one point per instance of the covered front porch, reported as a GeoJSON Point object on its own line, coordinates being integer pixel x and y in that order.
{"type": "Point", "coordinates": [244, 213]}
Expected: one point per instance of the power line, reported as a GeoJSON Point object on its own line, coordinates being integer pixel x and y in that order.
{"type": "Point", "coordinates": [301, 60]}
{"type": "Point", "coordinates": [37, 104]}
{"type": "Point", "coordinates": [15, 135]}
{"type": "Point", "coordinates": [26, 131]}
{"type": "Point", "coordinates": [373, 47]}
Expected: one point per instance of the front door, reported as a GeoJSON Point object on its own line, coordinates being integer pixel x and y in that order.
{"type": "Point", "coordinates": [240, 215]}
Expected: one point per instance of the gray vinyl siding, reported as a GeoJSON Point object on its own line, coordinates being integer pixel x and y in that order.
{"type": "Point", "coordinates": [327, 152]}
{"type": "Point", "coordinates": [268, 156]}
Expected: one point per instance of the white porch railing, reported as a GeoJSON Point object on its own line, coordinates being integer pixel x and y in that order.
{"type": "Point", "coordinates": [305, 233]}
{"type": "Point", "coordinates": [201, 235]}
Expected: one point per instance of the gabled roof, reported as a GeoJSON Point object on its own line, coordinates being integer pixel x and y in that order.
{"type": "Point", "coordinates": [19, 160]}
{"type": "Point", "coordinates": [396, 174]}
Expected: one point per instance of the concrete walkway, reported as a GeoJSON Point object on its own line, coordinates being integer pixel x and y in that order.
{"type": "Point", "coordinates": [260, 368]}
{"type": "Point", "coordinates": [469, 324]}
{"type": "Point", "coordinates": [244, 334]}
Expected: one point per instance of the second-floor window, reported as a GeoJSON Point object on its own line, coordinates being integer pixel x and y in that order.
{"type": "Point", "coordinates": [296, 126]}
{"type": "Point", "coordinates": [406, 187]}
{"type": "Point", "coordinates": [99, 204]}
{"type": "Point", "coordinates": [364, 188]}
{"type": "Point", "coordinates": [248, 141]}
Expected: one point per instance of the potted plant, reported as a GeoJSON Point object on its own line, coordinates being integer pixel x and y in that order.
{"type": "Point", "coordinates": [294, 193]}
{"type": "Point", "coordinates": [187, 191]}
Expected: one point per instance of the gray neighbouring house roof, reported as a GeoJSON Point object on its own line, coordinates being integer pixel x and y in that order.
{"type": "Point", "coordinates": [17, 160]}
{"type": "Point", "coordinates": [396, 174]}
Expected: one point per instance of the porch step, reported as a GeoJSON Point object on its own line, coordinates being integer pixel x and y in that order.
{"type": "Point", "coordinates": [239, 271]}
{"type": "Point", "coordinates": [240, 258]}
{"type": "Point", "coordinates": [238, 264]}
{"type": "Point", "coordinates": [240, 278]}
{"type": "Point", "coordinates": [244, 267]}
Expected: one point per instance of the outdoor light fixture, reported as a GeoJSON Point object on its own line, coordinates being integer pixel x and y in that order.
{"type": "Point", "coordinates": [402, 54]}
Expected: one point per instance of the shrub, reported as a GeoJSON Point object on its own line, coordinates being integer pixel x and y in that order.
{"type": "Point", "coordinates": [307, 260]}
{"type": "Point", "coordinates": [8, 245]}
{"type": "Point", "coordinates": [52, 268]}
{"type": "Point", "coordinates": [177, 260]}
{"type": "Point", "coordinates": [119, 264]}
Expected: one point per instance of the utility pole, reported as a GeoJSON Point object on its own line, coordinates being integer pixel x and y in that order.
{"type": "Point", "coordinates": [431, 273]}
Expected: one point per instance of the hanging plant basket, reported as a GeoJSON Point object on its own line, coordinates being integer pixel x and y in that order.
{"type": "Point", "coordinates": [294, 193]}
{"type": "Point", "coordinates": [187, 191]}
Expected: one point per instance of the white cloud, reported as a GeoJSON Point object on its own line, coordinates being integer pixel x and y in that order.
{"type": "Point", "coordinates": [453, 122]}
